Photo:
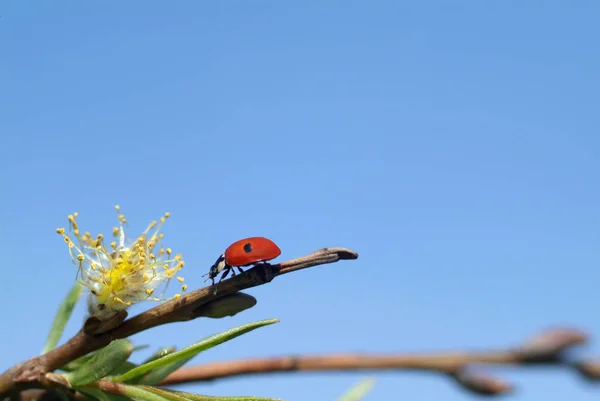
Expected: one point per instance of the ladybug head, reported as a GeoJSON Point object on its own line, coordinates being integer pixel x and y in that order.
{"type": "Point", "coordinates": [216, 268]}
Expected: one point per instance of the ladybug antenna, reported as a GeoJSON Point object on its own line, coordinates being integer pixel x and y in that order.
{"type": "Point", "coordinates": [208, 274]}
{"type": "Point", "coordinates": [215, 269]}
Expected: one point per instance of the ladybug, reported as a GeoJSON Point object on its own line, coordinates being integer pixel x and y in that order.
{"type": "Point", "coordinates": [245, 252]}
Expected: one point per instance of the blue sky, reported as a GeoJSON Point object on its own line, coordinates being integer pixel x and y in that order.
{"type": "Point", "coordinates": [452, 145]}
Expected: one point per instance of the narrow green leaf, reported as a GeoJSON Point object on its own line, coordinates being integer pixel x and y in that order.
{"type": "Point", "coordinates": [100, 395]}
{"type": "Point", "coordinates": [82, 360]}
{"type": "Point", "coordinates": [105, 362]}
{"type": "Point", "coordinates": [124, 368]}
{"type": "Point", "coordinates": [160, 353]}
{"type": "Point", "coordinates": [62, 317]}
{"type": "Point", "coordinates": [202, 397]}
{"type": "Point", "coordinates": [143, 393]}
{"type": "Point", "coordinates": [79, 362]}
{"type": "Point", "coordinates": [95, 393]}
{"type": "Point", "coordinates": [61, 394]}
{"type": "Point", "coordinates": [148, 393]}
{"type": "Point", "coordinates": [193, 350]}
{"type": "Point", "coordinates": [156, 375]}
{"type": "Point", "coordinates": [358, 391]}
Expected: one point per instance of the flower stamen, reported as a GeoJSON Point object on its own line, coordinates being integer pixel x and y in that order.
{"type": "Point", "coordinates": [124, 273]}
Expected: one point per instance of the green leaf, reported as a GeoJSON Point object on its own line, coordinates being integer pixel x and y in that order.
{"type": "Point", "coordinates": [160, 353]}
{"type": "Point", "coordinates": [143, 393]}
{"type": "Point", "coordinates": [82, 360]}
{"type": "Point", "coordinates": [61, 394]}
{"type": "Point", "coordinates": [358, 391]}
{"type": "Point", "coordinates": [173, 395]}
{"type": "Point", "coordinates": [124, 368]}
{"type": "Point", "coordinates": [62, 317]}
{"type": "Point", "coordinates": [95, 393]}
{"type": "Point", "coordinates": [193, 350]}
{"type": "Point", "coordinates": [105, 362]}
{"type": "Point", "coordinates": [156, 375]}
{"type": "Point", "coordinates": [79, 362]}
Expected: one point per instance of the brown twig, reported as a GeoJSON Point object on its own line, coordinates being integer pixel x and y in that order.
{"type": "Point", "coordinates": [110, 387]}
{"type": "Point", "coordinates": [545, 348]}
{"type": "Point", "coordinates": [188, 307]}
{"type": "Point", "coordinates": [450, 363]}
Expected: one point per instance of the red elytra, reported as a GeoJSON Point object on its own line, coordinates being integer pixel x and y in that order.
{"type": "Point", "coordinates": [251, 250]}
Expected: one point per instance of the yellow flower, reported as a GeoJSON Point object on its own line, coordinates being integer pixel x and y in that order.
{"type": "Point", "coordinates": [125, 272]}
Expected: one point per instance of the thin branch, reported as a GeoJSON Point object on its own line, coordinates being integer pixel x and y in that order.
{"type": "Point", "coordinates": [110, 387]}
{"type": "Point", "coordinates": [438, 362]}
{"type": "Point", "coordinates": [187, 307]}
{"type": "Point", "coordinates": [545, 348]}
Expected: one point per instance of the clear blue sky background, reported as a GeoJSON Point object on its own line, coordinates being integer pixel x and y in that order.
{"type": "Point", "coordinates": [454, 146]}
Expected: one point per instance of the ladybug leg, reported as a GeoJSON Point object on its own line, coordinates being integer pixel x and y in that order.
{"type": "Point", "coordinates": [221, 279]}
{"type": "Point", "coordinates": [240, 269]}
{"type": "Point", "coordinates": [225, 274]}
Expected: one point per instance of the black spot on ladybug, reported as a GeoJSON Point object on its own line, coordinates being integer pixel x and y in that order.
{"type": "Point", "coordinates": [248, 247]}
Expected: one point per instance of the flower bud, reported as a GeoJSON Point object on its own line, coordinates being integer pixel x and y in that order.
{"type": "Point", "coordinates": [229, 305]}
{"type": "Point", "coordinates": [548, 346]}
{"type": "Point", "coordinates": [482, 384]}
